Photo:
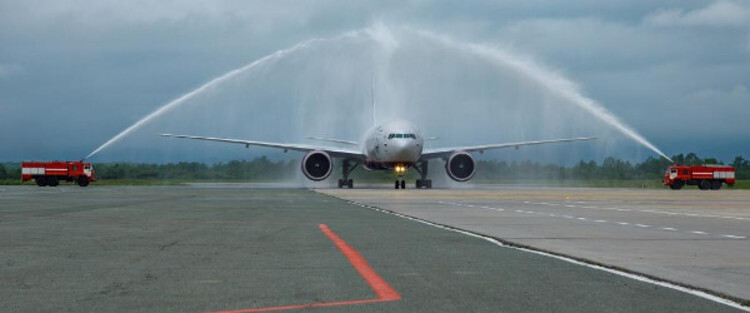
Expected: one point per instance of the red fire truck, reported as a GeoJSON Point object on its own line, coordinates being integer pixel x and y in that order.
{"type": "Point", "coordinates": [51, 173]}
{"type": "Point", "coordinates": [705, 176]}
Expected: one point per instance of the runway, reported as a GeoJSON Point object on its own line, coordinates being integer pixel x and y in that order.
{"type": "Point", "coordinates": [689, 237]}
{"type": "Point", "coordinates": [221, 248]}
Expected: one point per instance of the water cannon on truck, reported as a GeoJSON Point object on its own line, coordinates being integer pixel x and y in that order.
{"type": "Point", "coordinates": [705, 176]}
{"type": "Point", "coordinates": [50, 173]}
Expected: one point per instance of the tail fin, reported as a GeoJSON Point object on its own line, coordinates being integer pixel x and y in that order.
{"type": "Point", "coordinates": [372, 95]}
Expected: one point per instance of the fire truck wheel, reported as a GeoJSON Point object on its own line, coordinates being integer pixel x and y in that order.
{"type": "Point", "coordinates": [716, 185]}
{"type": "Point", "coordinates": [678, 185]}
{"type": "Point", "coordinates": [82, 181]}
{"type": "Point", "coordinates": [53, 181]}
{"type": "Point", "coordinates": [41, 181]}
{"type": "Point", "coordinates": [704, 184]}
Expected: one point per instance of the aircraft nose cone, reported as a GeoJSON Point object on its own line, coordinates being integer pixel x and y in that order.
{"type": "Point", "coordinates": [406, 152]}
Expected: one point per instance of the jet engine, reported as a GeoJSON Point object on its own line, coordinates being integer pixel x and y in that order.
{"type": "Point", "coordinates": [317, 165]}
{"type": "Point", "coordinates": [460, 166]}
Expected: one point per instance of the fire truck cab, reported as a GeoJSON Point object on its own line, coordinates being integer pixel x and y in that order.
{"type": "Point", "coordinates": [704, 176]}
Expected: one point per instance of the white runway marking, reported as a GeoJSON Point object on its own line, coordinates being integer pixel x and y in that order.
{"type": "Point", "coordinates": [637, 277]}
{"type": "Point", "coordinates": [734, 236]}
{"type": "Point", "coordinates": [591, 207]}
{"type": "Point", "coordinates": [585, 219]}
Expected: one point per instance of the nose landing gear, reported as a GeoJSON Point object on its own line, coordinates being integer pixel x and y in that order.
{"type": "Point", "coordinates": [401, 184]}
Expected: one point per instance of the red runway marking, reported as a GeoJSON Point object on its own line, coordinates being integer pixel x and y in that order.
{"type": "Point", "coordinates": [382, 289]}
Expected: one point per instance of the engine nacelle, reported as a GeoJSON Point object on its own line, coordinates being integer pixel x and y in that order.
{"type": "Point", "coordinates": [317, 165]}
{"type": "Point", "coordinates": [460, 166]}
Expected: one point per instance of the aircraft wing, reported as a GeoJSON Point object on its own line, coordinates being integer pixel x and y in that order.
{"type": "Point", "coordinates": [334, 152]}
{"type": "Point", "coordinates": [445, 152]}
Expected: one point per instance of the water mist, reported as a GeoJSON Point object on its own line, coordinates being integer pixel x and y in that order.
{"type": "Point", "coordinates": [382, 46]}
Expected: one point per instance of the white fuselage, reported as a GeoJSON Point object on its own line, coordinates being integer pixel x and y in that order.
{"type": "Point", "coordinates": [394, 143]}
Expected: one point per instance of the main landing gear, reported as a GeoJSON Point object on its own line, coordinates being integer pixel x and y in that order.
{"type": "Point", "coordinates": [423, 182]}
{"type": "Point", "coordinates": [347, 168]}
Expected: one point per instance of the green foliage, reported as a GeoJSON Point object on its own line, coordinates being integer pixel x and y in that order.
{"type": "Point", "coordinates": [610, 169]}
{"type": "Point", "coordinates": [257, 169]}
{"type": "Point", "coordinates": [10, 171]}
{"type": "Point", "coordinates": [741, 167]}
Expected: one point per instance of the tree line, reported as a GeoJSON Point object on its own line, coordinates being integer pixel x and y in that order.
{"type": "Point", "coordinates": [262, 168]}
{"type": "Point", "coordinates": [610, 168]}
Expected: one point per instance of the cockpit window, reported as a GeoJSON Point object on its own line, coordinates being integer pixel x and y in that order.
{"type": "Point", "coordinates": [412, 136]}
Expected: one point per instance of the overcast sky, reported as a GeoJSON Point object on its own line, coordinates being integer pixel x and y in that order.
{"type": "Point", "coordinates": [75, 73]}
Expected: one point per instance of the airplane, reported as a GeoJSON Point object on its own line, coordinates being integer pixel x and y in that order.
{"type": "Point", "coordinates": [393, 146]}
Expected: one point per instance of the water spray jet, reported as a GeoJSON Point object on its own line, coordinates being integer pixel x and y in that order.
{"type": "Point", "coordinates": [209, 85]}
{"type": "Point", "coordinates": [555, 83]}
{"type": "Point", "coordinates": [385, 39]}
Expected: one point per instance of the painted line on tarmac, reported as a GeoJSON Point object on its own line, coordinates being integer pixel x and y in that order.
{"type": "Point", "coordinates": [384, 291]}
{"type": "Point", "coordinates": [705, 294]}
{"type": "Point", "coordinates": [590, 207]}
{"type": "Point", "coordinates": [584, 219]}
{"type": "Point", "coordinates": [734, 236]}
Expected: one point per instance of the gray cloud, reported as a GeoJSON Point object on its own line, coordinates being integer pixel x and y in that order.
{"type": "Point", "coordinates": [8, 70]}
{"type": "Point", "coordinates": [109, 63]}
{"type": "Point", "coordinates": [717, 14]}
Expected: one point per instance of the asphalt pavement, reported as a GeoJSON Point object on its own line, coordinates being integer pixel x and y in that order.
{"type": "Point", "coordinates": [208, 249]}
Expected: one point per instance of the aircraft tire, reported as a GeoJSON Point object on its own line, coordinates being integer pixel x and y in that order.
{"type": "Point", "coordinates": [403, 184]}
{"type": "Point", "coordinates": [428, 183]}
{"type": "Point", "coordinates": [350, 183]}
{"type": "Point", "coordinates": [419, 183]}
